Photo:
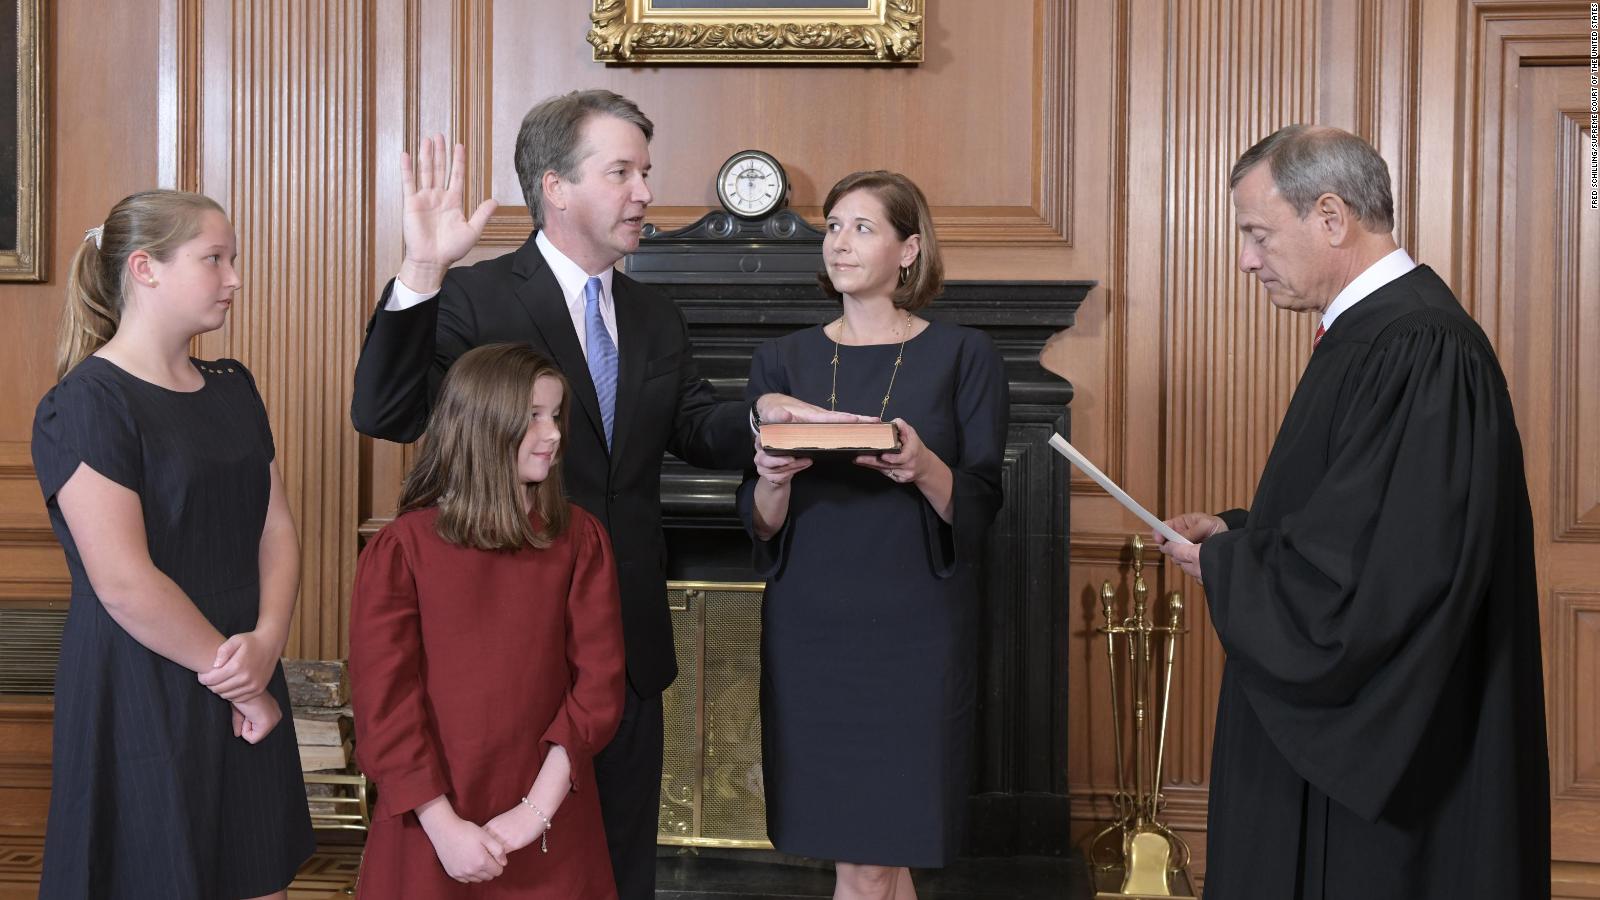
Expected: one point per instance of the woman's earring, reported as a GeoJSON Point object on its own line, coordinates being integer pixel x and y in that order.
{"type": "Point", "coordinates": [905, 273]}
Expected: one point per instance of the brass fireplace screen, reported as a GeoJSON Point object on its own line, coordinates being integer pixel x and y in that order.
{"type": "Point", "coordinates": [711, 791]}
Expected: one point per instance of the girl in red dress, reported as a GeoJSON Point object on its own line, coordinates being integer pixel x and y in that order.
{"type": "Point", "coordinates": [486, 654]}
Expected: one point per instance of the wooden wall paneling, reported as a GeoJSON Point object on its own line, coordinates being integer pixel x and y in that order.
{"type": "Point", "coordinates": [1575, 721]}
{"type": "Point", "coordinates": [178, 93]}
{"type": "Point", "coordinates": [95, 154]}
{"type": "Point", "coordinates": [1368, 58]}
{"type": "Point", "coordinates": [995, 85]}
{"type": "Point", "coordinates": [32, 568]}
{"type": "Point", "coordinates": [1540, 230]}
{"type": "Point", "coordinates": [284, 146]}
{"type": "Point", "coordinates": [1501, 38]}
{"type": "Point", "coordinates": [1125, 407]}
{"type": "Point", "coordinates": [1390, 58]}
{"type": "Point", "coordinates": [93, 158]}
{"type": "Point", "coordinates": [1575, 332]}
{"type": "Point", "coordinates": [1440, 122]}
{"type": "Point", "coordinates": [1232, 359]}
{"type": "Point", "coordinates": [24, 764]}
{"type": "Point", "coordinates": [395, 129]}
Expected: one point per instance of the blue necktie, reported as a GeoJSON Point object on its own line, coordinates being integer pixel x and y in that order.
{"type": "Point", "coordinates": [602, 355]}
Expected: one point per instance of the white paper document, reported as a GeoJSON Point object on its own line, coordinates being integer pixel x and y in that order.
{"type": "Point", "coordinates": [1082, 462]}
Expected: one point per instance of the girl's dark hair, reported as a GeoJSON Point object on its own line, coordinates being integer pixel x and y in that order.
{"type": "Point", "coordinates": [467, 466]}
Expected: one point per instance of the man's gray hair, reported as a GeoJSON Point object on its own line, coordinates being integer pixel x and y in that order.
{"type": "Point", "coordinates": [552, 133]}
{"type": "Point", "coordinates": [1309, 161]}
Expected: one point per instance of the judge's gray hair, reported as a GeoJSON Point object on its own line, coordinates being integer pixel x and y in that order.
{"type": "Point", "coordinates": [1309, 161]}
{"type": "Point", "coordinates": [552, 133]}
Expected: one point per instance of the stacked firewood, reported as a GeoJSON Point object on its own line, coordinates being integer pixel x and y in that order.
{"type": "Point", "coordinates": [319, 694]}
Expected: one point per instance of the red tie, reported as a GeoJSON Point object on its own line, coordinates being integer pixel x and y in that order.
{"type": "Point", "coordinates": [1318, 339]}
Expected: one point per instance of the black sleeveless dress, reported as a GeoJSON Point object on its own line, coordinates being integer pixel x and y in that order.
{"type": "Point", "coordinates": [151, 794]}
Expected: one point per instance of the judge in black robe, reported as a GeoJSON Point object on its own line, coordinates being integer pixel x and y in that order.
{"type": "Point", "coordinates": [1380, 730]}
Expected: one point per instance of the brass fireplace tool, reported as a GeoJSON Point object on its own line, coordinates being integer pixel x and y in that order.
{"type": "Point", "coordinates": [1136, 856]}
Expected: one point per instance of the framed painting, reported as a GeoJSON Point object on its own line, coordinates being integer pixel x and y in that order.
{"type": "Point", "coordinates": [654, 32]}
{"type": "Point", "coordinates": [22, 206]}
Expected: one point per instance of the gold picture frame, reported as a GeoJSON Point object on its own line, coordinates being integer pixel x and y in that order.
{"type": "Point", "coordinates": [656, 32]}
{"type": "Point", "coordinates": [22, 142]}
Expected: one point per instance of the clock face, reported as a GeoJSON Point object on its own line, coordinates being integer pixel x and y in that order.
{"type": "Point", "coordinates": [751, 184]}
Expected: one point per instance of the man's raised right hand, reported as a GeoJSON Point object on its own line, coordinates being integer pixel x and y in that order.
{"type": "Point", "coordinates": [437, 232]}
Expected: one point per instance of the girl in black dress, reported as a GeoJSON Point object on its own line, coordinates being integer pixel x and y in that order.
{"type": "Point", "coordinates": [175, 772]}
{"type": "Point", "coordinates": [871, 605]}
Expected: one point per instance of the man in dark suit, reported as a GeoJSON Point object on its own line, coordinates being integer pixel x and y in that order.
{"type": "Point", "coordinates": [583, 160]}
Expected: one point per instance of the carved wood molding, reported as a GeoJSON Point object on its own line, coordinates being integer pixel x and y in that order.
{"type": "Point", "coordinates": [178, 90]}
{"type": "Point", "coordinates": [1501, 37]}
{"type": "Point", "coordinates": [1574, 722]}
{"type": "Point", "coordinates": [1388, 61]}
{"type": "Point", "coordinates": [16, 460]}
{"type": "Point", "coordinates": [1111, 547]}
{"type": "Point", "coordinates": [1575, 495]}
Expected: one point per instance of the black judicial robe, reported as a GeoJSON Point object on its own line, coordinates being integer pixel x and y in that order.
{"type": "Point", "coordinates": [1380, 731]}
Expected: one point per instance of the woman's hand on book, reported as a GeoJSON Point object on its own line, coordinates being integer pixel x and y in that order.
{"type": "Point", "coordinates": [909, 464]}
{"type": "Point", "coordinates": [778, 408]}
{"type": "Point", "coordinates": [776, 471]}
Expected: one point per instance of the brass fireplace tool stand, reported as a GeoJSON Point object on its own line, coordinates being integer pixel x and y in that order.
{"type": "Point", "coordinates": [1136, 856]}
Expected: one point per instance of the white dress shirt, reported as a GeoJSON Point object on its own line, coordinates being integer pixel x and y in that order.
{"type": "Point", "coordinates": [569, 275]}
{"type": "Point", "coordinates": [1376, 276]}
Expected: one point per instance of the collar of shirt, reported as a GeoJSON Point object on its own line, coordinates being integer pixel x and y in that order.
{"type": "Point", "coordinates": [1376, 276]}
{"type": "Point", "coordinates": [571, 277]}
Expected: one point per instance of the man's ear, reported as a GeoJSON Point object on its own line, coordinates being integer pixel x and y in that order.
{"type": "Point", "coordinates": [555, 190]}
{"type": "Point", "coordinates": [1334, 216]}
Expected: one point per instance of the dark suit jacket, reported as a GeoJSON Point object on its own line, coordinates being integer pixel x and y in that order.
{"type": "Point", "coordinates": [662, 405]}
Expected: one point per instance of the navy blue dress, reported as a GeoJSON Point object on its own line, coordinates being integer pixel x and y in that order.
{"type": "Point", "coordinates": [151, 794]}
{"type": "Point", "coordinates": [871, 610]}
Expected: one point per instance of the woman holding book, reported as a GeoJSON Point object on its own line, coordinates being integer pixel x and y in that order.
{"type": "Point", "coordinates": [486, 654]}
{"type": "Point", "coordinates": [174, 771]}
{"type": "Point", "coordinates": [871, 606]}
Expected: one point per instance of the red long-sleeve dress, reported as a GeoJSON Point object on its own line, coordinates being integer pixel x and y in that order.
{"type": "Point", "coordinates": [466, 666]}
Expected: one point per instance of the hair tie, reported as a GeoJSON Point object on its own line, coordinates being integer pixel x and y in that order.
{"type": "Point", "coordinates": [93, 234]}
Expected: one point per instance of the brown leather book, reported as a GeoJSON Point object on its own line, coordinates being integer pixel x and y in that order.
{"type": "Point", "coordinates": [843, 438]}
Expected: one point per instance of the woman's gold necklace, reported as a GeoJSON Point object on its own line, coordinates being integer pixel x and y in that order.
{"type": "Point", "coordinates": [833, 391]}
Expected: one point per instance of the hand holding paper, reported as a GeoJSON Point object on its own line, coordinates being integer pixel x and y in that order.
{"type": "Point", "coordinates": [1082, 462]}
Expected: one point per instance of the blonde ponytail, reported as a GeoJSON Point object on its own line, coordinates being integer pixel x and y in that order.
{"type": "Point", "coordinates": [92, 310]}
{"type": "Point", "coordinates": [157, 222]}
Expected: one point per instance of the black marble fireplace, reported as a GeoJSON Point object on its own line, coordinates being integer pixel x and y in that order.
{"type": "Point", "coordinates": [740, 283]}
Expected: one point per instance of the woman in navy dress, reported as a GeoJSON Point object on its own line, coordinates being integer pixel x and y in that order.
{"type": "Point", "coordinates": [871, 606]}
{"type": "Point", "coordinates": [175, 772]}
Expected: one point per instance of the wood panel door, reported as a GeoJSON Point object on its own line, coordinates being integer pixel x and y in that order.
{"type": "Point", "coordinates": [1549, 343]}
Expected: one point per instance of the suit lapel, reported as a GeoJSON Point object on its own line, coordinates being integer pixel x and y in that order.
{"type": "Point", "coordinates": [632, 348]}
{"type": "Point", "coordinates": [540, 296]}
